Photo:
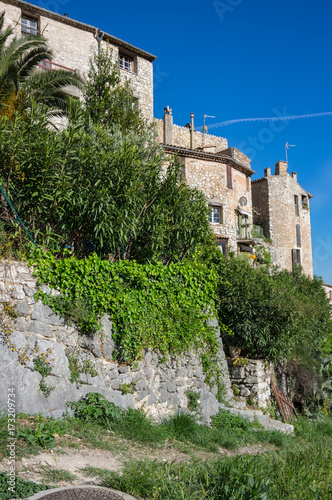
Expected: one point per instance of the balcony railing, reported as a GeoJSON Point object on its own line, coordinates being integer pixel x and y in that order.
{"type": "Point", "coordinates": [48, 65]}
{"type": "Point", "coordinates": [250, 232]}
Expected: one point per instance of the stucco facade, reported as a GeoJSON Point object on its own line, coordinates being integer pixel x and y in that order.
{"type": "Point", "coordinates": [283, 210]}
{"type": "Point", "coordinates": [74, 43]}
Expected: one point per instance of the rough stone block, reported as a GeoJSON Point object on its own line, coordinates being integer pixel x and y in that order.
{"type": "Point", "coordinates": [140, 385]}
{"type": "Point", "coordinates": [44, 314]}
{"type": "Point", "coordinates": [40, 328]}
{"type": "Point", "coordinates": [163, 396]}
{"type": "Point", "coordinates": [22, 308]}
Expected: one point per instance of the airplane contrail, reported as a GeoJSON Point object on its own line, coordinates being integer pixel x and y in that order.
{"type": "Point", "coordinates": [268, 119]}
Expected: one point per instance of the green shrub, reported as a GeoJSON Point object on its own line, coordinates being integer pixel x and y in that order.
{"type": "Point", "coordinates": [23, 489]}
{"type": "Point", "coordinates": [224, 420]}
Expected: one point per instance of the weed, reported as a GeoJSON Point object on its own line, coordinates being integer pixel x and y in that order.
{"type": "Point", "coordinates": [128, 388]}
{"type": "Point", "coordinates": [22, 489]}
{"type": "Point", "coordinates": [193, 400]}
{"type": "Point", "coordinates": [56, 475]}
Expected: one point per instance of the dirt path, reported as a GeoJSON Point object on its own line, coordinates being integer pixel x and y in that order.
{"type": "Point", "coordinates": [48, 466]}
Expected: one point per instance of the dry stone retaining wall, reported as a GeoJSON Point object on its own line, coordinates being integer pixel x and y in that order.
{"type": "Point", "coordinates": [155, 385]}
{"type": "Point", "coordinates": [253, 381]}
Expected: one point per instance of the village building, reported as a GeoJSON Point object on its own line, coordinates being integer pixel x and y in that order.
{"type": "Point", "coordinates": [277, 202]}
{"type": "Point", "coordinates": [328, 290]}
{"type": "Point", "coordinates": [282, 208]}
{"type": "Point", "coordinates": [222, 173]}
{"type": "Point", "coordinates": [74, 43]}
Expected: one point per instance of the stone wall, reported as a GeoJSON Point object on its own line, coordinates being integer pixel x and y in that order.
{"type": "Point", "coordinates": [181, 137]}
{"type": "Point", "coordinates": [273, 197]}
{"type": "Point", "coordinates": [73, 44]}
{"type": "Point", "coordinates": [251, 381]}
{"type": "Point", "coordinates": [158, 387]}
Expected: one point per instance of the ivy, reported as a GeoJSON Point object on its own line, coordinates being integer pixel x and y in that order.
{"type": "Point", "coordinates": [163, 308]}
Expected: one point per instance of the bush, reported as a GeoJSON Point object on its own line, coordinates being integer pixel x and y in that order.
{"type": "Point", "coordinates": [225, 420]}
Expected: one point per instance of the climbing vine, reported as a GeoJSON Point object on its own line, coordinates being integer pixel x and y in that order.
{"type": "Point", "coordinates": [163, 308]}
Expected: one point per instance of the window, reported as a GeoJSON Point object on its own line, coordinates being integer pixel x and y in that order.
{"type": "Point", "coordinates": [298, 235]}
{"type": "Point", "coordinates": [134, 103]}
{"type": "Point", "coordinates": [126, 62]}
{"type": "Point", "coordinates": [222, 244]}
{"type": "Point", "coordinates": [215, 216]}
{"type": "Point", "coordinates": [296, 204]}
{"type": "Point", "coordinates": [29, 25]}
{"type": "Point", "coordinates": [248, 183]}
{"type": "Point", "coordinates": [243, 226]}
{"type": "Point", "coordinates": [296, 257]}
{"type": "Point", "coordinates": [229, 176]}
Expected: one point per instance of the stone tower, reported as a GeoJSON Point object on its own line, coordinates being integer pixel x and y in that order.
{"type": "Point", "coordinates": [282, 207]}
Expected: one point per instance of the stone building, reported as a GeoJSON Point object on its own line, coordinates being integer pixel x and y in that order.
{"type": "Point", "coordinates": [222, 173]}
{"type": "Point", "coordinates": [74, 43]}
{"type": "Point", "coordinates": [328, 290]}
{"type": "Point", "coordinates": [282, 207]}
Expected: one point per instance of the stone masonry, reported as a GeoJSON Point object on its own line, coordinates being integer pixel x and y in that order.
{"type": "Point", "coordinates": [156, 386]}
{"type": "Point", "coordinates": [74, 43]}
{"type": "Point", "coordinates": [252, 380]}
{"type": "Point", "coordinates": [284, 212]}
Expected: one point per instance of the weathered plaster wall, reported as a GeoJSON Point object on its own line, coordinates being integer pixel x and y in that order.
{"type": "Point", "coordinates": [157, 386]}
{"type": "Point", "coordinates": [273, 196]}
{"type": "Point", "coordinates": [73, 47]}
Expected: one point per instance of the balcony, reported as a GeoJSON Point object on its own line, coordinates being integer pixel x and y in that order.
{"type": "Point", "coordinates": [248, 233]}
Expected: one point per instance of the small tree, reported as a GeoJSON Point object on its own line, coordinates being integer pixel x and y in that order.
{"type": "Point", "coordinates": [108, 100]}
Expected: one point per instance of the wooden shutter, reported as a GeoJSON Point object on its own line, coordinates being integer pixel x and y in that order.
{"type": "Point", "coordinates": [294, 257]}
{"type": "Point", "coordinates": [229, 176]}
{"type": "Point", "coordinates": [296, 203]}
{"type": "Point", "coordinates": [298, 235]}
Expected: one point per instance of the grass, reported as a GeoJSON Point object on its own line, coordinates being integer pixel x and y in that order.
{"type": "Point", "coordinates": [297, 467]}
{"type": "Point", "coordinates": [56, 475]}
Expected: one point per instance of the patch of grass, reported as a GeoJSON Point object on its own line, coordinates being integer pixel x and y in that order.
{"type": "Point", "coordinates": [22, 489]}
{"type": "Point", "coordinates": [55, 476]}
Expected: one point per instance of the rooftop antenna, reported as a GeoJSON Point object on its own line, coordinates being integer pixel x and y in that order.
{"type": "Point", "coordinates": [205, 127]}
{"type": "Point", "coordinates": [287, 146]}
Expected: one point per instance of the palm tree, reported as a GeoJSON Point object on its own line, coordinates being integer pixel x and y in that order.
{"type": "Point", "coordinates": [20, 83]}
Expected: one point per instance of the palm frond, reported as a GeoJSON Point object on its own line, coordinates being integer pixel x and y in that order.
{"type": "Point", "coordinates": [32, 59]}
{"type": "Point", "coordinates": [56, 79]}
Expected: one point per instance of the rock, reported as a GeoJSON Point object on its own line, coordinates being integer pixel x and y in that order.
{"type": "Point", "coordinates": [142, 394]}
{"type": "Point", "coordinates": [29, 291]}
{"type": "Point", "coordinates": [140, 385]}
{"type": "Point", "coordinates": [245, 392]}
{"type": "Point", "coordinates": [44, 314]}
{"type": "Point", "coordinates": [148, 358]}
{"type": "Point", "coordinates": [112, 374]}
{"type": "Point", "coordinates": [171, 386]}
{"type": "Point", "coordinates": [209, 405]}
{"type": "Point", "coordinates": [41, 328]}
{"type": "Point", "coordinates": [123, 369]}
{"type": "Point", "coordinates": [163, 397]}
{"type": "Point", "coordinates": [115, 384]}
{"type": "Point", "coordinates": [22, 308]}
{"type": "Point", "coordinates": [151, 399]}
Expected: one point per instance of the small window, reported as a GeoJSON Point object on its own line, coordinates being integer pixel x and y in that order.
{"type": "Point", "coordinates": [126, 62]}
{"type": "Point", "coordinates": [135, 103]}
{"type": "Point", "coordinates": [29, 25]}
{"type": "Point", "coordinates": [296, 204]}
{"type": "Point", "coordinates": [248, 183]}
{"type": "Point", "coordinates": [229, 176]}
{"type": "Point", "coordinates": [305, 202]}
{"type": "Point", "coordinates": [296, 257]}
{"type": "Point", "coordinates": [215, 216]}
{"type": "Point", "coordinates": [222, 244]}
{"type": "Point", "coordinates": [298, 235]}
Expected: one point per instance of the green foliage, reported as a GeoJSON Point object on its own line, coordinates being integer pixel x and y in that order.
{"type": "Point", "coordinates": [92, 189]}
{"type": "Point", "coordinates": [23, 489]}
{"type": "Point", "coordinates": [127, 388]}
{"type": "Point", "coordinates": [10, 310]}
{"type": "Point", "coordinates": [42, 366]}
{"type": "Point", "coordinates": [41, 435]}
{"type": "Point", "coordinates": [76, 368]}
{"type": "Point", "coordinates": [164, 308]}
{"type": "Point", "coordinates": [96, 408]}
{"type": "Point", "coordinates": [193, 399]}
{"type": "Point", "coordinates": [273, 314]}
{"type": "Point", "coordinates": [107, 101]}
{"type": "Point", "coordinates": [224, 419]}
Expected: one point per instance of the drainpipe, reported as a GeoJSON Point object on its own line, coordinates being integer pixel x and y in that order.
{"type": "Point", "coordinates": [192, 131]}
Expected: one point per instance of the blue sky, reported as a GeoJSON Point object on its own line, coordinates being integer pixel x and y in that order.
{"type": "Point", "coordinates": [240, 59]}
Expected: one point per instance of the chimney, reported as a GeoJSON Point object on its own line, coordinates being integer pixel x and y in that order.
{"type": "Point", "coordinates": [65, 15]}
{"type": "Point", "coordinates": [168, 125]}
{"type": "Point", "coordinates": [192, 131]}
{"type": "Point", "coordinates": [294, 175]}
{"type": "Point", "coordinates": [281, 168]}
{"type": "Point", "coordinates": [267, 172]}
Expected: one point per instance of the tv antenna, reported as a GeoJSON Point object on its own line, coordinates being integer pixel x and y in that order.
{"type": "Point", "coordinates": [205, 127]}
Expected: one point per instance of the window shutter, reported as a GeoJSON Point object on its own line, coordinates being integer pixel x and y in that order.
{"type": "Point", "coordinates": [229, 176]}
{"type": "Point", "coordinates": [298, 235]}
{"type": "Point", "coordinates": [294, 257]}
